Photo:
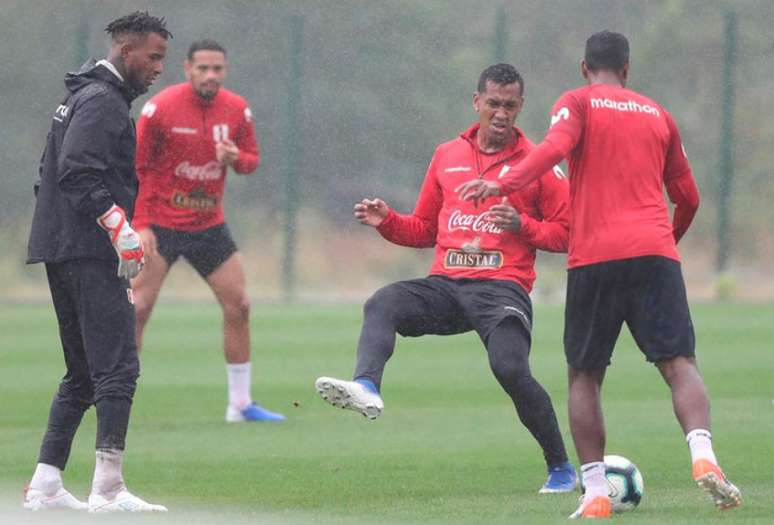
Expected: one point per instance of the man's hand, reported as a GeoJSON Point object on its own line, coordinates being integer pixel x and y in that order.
{"type": "Point", "coordinates": [226, 152]}
{"type": "Point", "coordinates": [505, 216]}
{"type": "Point", "coordinates": [478, 190]}
{"type": "Point", "coordinates": [371, 212]}
{"type": "Point", "coordinates": [125, 240]}
{"type": "Point", "coordinates": [149, 243]}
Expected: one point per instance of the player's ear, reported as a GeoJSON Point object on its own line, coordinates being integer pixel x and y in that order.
{"type": "Point", "coordinates": [584, 69]}
{"type": "Point", "coordinates": [625, 72]}
{"type": "Point", "coordinates": [125, 47]}
{"type": "Point", "coordinates": [187, 69]}
{"type": "Point", "coordinates": [476, 99]}
{"type": "Point", "coordinates": [128, 44]}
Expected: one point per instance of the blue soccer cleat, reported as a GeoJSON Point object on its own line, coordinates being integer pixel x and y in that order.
{"type": "Point", "coordinates": [561, 478]}
{"type": "Point", "coordinates": [253, 412]}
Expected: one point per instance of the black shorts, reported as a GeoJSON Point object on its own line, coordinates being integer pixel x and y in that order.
{"type": "Point", "coordinates": [648, 293]}
{"type": "Point", "coordinates": [206, 250]}
{"type": "Point", "coordinates": [441, 305]}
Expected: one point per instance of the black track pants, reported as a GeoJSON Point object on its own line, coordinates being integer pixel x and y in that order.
{"type": "Point", "coordinates": [96, 328]}
{"type": "Point", "coordinates": [501, 314]}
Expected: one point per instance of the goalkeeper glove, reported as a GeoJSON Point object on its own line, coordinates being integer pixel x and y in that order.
{"type": "Point", "coordinates": [125, 241]}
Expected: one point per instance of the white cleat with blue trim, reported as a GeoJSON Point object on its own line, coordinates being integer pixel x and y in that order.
{"type": "Point", "coordinates": [124, 501]}
{"type": "Point", "coordinates": [351, 395]}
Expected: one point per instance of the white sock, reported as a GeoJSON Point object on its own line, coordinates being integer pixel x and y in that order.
{"type": "Point", "coordinates": [108, 477]}
{"type": "Point", "coordinates": [239, 385]}
{"type": "Point", "coordinates": [594, 480]}
{"type": "Point", "coordinates": [700, 443]}
{"type": "Point", "coordinates": [47, 479]}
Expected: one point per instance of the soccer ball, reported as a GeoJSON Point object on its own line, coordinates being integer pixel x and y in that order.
{"type": "Point", "coordinates": [624, 482]}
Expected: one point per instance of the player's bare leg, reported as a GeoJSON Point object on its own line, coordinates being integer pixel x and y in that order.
{"type": "Point", "coordinates": [588, 432]}
{"type": "Point", "coordinates": [146, 289]}
{"type": "Point", "coordinates": [585, 410]}
{"type": "Point", "coordinates": [228, 283]}
{"type": "Point", "coordinates": [689, 397]}
{"type": "Point", "coordinates": [691, 406]}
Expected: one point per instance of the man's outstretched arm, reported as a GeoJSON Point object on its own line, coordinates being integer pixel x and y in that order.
{"type": "Point", "coordinates": [541, 159]}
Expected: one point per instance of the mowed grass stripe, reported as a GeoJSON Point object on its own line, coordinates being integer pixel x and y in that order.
{"type": "Point", "coordinates": [449, 448]}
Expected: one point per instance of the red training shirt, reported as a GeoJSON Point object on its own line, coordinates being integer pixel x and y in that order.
{"type": "Point", "coordinates": [181, 182]}
{"type": "Point", "coordinates": [466, 244]}
{"type": "Point", "coordinates": [622, 148]}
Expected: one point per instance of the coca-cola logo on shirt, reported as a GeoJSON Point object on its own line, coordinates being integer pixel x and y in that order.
{"type": "Point", "coordinates": [471, 222]}
{"type": "Point", "coordinates": [210, 171]}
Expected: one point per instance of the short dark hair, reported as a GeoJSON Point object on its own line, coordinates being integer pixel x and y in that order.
{"type": "Point", "coordinates": [501, 74]}
{"type": "Point", "coordinates": [606, 50]}
{"type": "Point", "coordinates": [139, 23]}
{"type": "Point", "coordinates": [206, 44]}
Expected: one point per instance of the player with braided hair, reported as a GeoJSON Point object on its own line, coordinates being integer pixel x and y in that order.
{"type": "Point", "coordinates": [81, 230]}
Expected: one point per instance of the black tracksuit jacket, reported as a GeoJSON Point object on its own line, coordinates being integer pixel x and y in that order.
{"type": "Point", "coordinates": [87, 165]}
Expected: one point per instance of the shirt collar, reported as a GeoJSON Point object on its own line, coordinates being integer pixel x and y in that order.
{"type": "Point", "coordinates": [110, 67]}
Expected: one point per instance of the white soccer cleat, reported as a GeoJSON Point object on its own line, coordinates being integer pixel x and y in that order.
{"type": "Point", "coordinates": [711, 479]}
{"type": "Point", "coordinates": [351, 395]}
{"type": "Point", "coordinates": [37, 500]}
{"type": "Point", "coordinates": [124, 501]}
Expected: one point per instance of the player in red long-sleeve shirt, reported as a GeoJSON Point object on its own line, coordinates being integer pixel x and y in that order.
{"type": "Point", "coordinates": [622, 149]}
{"type": "Point", "coordinates": [483, 268]}
{"type": "Point", "coordinates": [187, 137]}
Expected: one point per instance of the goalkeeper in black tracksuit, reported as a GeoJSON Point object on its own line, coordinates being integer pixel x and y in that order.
{"type": "Point", "coordinates": [81, 231]}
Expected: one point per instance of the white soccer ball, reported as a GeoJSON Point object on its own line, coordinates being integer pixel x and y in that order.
{"type": "Point", "coordinates": [624, 482]}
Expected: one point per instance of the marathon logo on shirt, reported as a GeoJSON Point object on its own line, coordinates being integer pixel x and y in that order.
{"type": "Point", "coordinates": [483, 259]}
{"type": "Point", "coordinates": [626, 106]}
{"type": "Point", "coordinates": [197, 200]}
{"type": "Point", "coordinates": [470, 222]}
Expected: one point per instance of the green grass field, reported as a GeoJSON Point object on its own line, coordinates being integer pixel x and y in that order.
{"type": "Point", "coordinates": [448, 449]}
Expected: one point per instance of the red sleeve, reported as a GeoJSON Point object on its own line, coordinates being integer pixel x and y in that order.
{"type": "Point", "coordinates": [679, 181]}
{"type": "Point", "coordinates": [550, 231]}
{"type": "Point", "coordinates": [685, 195]}
{"type": "Point", "coordinates": [150, 139]}
{"type": "Point", "coordinates": [418, 230]}
{"type": "Point", "coordinates": [565, 133]}
{"type": "Point", "coordinates": [676, 164]}
{"type": "Point", "coordinates": [249, 156]}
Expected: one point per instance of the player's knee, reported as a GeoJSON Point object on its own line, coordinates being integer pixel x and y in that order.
{"type": "Point", "coordinates": [78, 392]}
{"type": "Point", "coordinates": [118, 386]}
{"type": "Point", "coordinates": [143, 306]}
{"type": "Point", "coordinates": [677, 368]}
{"type": "Point", "coordinates": [237, 309]}
{"type": "Point", "coordinates": [511, 371]}
{"type": "Point", "coordinates": [384, 303]}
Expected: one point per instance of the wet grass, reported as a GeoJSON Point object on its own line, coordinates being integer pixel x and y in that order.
{"type": "Point", "coordinates": [448, 449]}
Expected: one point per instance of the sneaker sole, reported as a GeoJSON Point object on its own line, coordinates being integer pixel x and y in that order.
{"type": "Point", "coordinates": [724, 494]}
{"type": "Point", "coordinates": [36, 505]}
{"type": "Point", "coordinates": [339, 397]}
{"type": "Point", "coordinates": [556, 491]}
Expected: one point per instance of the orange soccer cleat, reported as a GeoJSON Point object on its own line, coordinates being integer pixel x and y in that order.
{"type": "Point", "coordinates": [711, 479]}
{"type": "Point", "coordinates": [598, 507]}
